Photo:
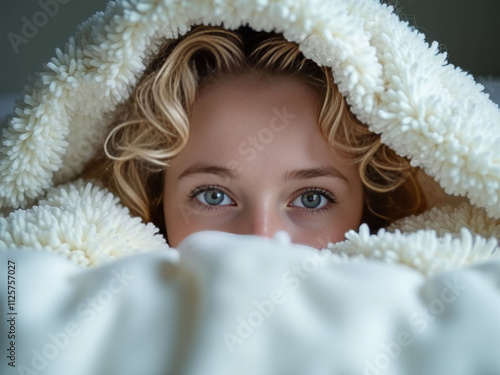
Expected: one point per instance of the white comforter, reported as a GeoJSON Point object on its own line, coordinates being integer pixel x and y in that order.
{"type": "Point", "coordinates": [229, 304]}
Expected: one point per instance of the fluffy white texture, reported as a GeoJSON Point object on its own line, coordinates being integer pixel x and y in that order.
{"type": "Point", "coordinates": [81, 222]}
{"type": "Point", "coordinates": [422, 250]}
{"type": "Point", "coordinates": [396, 83]}
{"type": "Point", "coordinates": [185, 316]}
{"type": "Point", "coordinates": [451, 219]}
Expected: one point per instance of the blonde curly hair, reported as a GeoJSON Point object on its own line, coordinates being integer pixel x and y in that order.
{"type": "Point", "coordinates": [152, 126]}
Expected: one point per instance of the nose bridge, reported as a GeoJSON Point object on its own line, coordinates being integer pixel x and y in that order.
{"type": "Point", "coordinates": [265, 219]}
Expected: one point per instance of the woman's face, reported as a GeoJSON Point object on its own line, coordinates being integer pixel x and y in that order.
{"type": "Point", "coordinates": [256, 163]}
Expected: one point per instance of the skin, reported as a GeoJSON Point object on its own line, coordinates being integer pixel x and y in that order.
{"type": "Point", "coordinates": [248, 134]}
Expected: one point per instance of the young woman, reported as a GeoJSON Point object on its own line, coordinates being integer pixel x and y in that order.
{"type": "Point", "coordinates": [237, 131]}
{"type": "Point", "coordinates": [287, 116]}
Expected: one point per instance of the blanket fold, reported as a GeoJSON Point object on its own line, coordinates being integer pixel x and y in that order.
{"type": "Point", "coordinates": [204, 312]}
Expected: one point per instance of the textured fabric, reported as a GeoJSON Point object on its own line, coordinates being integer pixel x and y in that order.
{"type": "Point", "coordinates": [249, 305]}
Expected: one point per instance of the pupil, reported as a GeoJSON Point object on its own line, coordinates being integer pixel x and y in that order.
{"type": "Point", "coordinates": [214, 197]}
{"type": "Point", "coordinates": [311, 200]}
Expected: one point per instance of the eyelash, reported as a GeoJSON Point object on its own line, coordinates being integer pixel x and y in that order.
{"type": "Point", "coordinates": [201, 189]}
{"type": "Point", "coordinates": [325, 193]}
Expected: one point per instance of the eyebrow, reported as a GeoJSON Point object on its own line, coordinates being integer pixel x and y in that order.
{"type": "Point", "coordinates": [296, 174]}
{"type": "Point", "coordinates": [303, 174]}
{"type": "Point", "coordinates": [210, 169]}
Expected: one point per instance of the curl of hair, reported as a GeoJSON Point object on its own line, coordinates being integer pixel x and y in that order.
{"type": "Point", "coordinates": [152, 126]}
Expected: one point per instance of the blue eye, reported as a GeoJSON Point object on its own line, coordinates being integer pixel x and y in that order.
{"type": "Point", "coordinates": [313, 199]}
{"type": "Point", "coordinates": [310, 200]}
{"type": "Point", "coordinates": [214, 197]}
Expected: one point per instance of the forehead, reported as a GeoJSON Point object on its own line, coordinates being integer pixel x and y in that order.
{"type": "Point", "coordinates": [262, 125]}
{"type": "Point", "coordinates": [233, 109]}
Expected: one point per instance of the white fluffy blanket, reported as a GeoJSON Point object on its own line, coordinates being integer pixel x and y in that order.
{"type": "Point", "coordinates": [228, 304]}
{"type": "Point", "coordinates": [99, 292]}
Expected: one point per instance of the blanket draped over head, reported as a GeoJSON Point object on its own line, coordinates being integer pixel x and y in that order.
{"type": "Point", "coordinates": [97, 291]}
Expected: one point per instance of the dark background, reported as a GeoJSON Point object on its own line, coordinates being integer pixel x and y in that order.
{"type": "Point", "coordinates": [468, 30]}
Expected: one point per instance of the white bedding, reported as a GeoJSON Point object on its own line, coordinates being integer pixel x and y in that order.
{"type": "Point", "coordinates": [228, 304]}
